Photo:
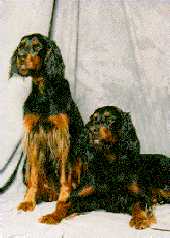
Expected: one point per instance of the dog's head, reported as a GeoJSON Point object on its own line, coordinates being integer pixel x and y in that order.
{"type": "Point", "coordinates": [109, 126]}
{"type": "Point", "coordinates": [37, 55]}
{"type": "Point", "coordinates": [104, 126]}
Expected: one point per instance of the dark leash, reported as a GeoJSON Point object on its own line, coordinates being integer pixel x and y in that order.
{"type": "Point", "coordinates": [13, 175]}
{"type": "Point", "coordinates": [53, 13]}
{"type": "Point", "coordinates": [159, 229]}
{"type": "Point", "coordinates": [10, 158]}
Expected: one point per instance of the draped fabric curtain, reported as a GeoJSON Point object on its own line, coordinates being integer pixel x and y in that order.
{"type": "Point", "coordinates": [115, 52]}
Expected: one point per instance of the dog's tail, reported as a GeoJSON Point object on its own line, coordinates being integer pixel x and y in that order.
{"type": "Point", "coordinates": [14, 173]}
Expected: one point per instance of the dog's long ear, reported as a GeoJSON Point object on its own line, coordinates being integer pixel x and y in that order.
{"type": "Point", "coordinates": [127, 125]}
{"type": "Point", "coordinates": [13, 67]}
{"type": "Point", "coordinates": [129, 139]}
{"type": "Point", "coordinates": [53, 62]}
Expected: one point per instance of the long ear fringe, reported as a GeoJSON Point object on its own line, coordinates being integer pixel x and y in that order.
{"type": "Point", "coordinates": [53, 62]}
{"type": "Point", "coordinates": [13, 67]}
{"type": "Point", "coordinates": [129, 140]}
{"type": "Point", "coordinates": [126, 123]}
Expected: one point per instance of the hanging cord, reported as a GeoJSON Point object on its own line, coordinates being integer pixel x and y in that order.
{"type": "Point", "coordinates": [77, 48]}
{"type": "Point", "coordinates": [160, 229]}
{"type": "Point", "coordinates": [11, 157]}
{"type": "Point", "coordinates": [50, 32]}
{"type": "Point", "coordinates": [12, 177]}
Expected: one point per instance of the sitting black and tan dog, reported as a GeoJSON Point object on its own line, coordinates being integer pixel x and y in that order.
{"type": "Point", "coordinates": [52, 123]}
{"type": "Point", "coordinates": [115, 177]}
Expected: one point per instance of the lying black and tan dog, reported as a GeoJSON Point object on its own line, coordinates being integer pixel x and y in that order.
{"type": "Point", "coordinates": [115, 176]}
{"type": "Point", "coordinates": [52, 123]}
{"type": "Point", "coordinates": [111, 151]}
{"type": "Point", "coordinates": [107, 151]}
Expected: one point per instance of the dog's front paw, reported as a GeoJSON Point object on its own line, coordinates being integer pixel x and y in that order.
{"type": "Point", "coordinates": [139, 222]}
{"type": "Point", "coordinates": [60, 213]}
{"type": "Point", "coordinates": [50, 219]}
{"type": "Point", "coordinates": [26, 206]}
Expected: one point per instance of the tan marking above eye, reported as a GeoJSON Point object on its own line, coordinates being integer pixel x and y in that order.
{"type": "Point", "coordinates": [134, 187]}
{"type": "Point", "coordinates": [23, 41]}
{"type": "Point", "coordinates": [106, 114]}
{"type": "Point", "coordinates": [35, 41]}
{"type": "Point", "coordinates": [95, 114]}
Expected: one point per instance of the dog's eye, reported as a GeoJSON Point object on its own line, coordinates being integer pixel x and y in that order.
{"type": "Point", "coordinates": [95, 117]}
{"type": "Point", "coordinates": [106, 114]}
{"type": "Point", "coordinates": [22, 45]}
{"type": "Point", "coordinates": [112, 125]}
{"type": "Point", "coordinates": [21, 48]}
{"type": "Point", "coordinates": [37, 47]}
{"type": "Point", "coordinates": [93, 129]}
{"type": "Point", "coordinates": [21, 52]}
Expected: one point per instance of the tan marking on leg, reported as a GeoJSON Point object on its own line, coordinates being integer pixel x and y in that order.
{"type": "Point", "coordinates": [151, 218]}
{"type": "Point", "coordinates": [30, 120]}
{"type": "Point", "coordinates": [155, 195]}
{"type": "Point", "coordinates": [78, 168]}
{"type": "Point", "coordinates": [59, 143]}
{"type": "Point", "coordinates": [86, 191]}
{"type": "Point", "coordinates": [29, 201]}
{"type": "Point", "coordinates": [165, 193]}
{"type": "Point", "coordinates": [140, 218]}
{"type": "Point", "coordinates": [65, 185]}
{"type": "Point", "coordinates": [110, 157]}
{"type": "Point", "coordinates": [59, 136]}
{"type": "Point", "coordinates": [60, 212]}
{"type": "Point", "coordinates": [158, 193]}
{"type": "Point", "coordinates": [134, 187]}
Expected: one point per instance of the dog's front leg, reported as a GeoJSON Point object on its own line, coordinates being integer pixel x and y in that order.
{"type": "Point", "coordinates": [59, 143]}
{"type": "Point", "coordinates": [62, 205]}
{"type": "Point", "coordinates": [29, 201]}
{"type": "Point", "coordinates": [31, 148]}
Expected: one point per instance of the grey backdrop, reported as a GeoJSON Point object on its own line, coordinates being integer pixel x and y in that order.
{"type": "Point", "coordinates": [116, 53]}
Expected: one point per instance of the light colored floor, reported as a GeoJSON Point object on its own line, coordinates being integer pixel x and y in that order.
{"type": "Point", "coordinates": [99, 224]}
